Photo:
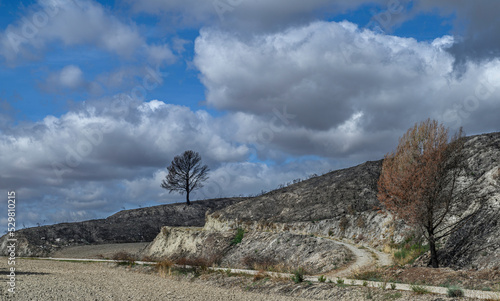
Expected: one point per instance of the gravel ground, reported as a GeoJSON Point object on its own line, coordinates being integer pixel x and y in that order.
{"type": "Point", "coordinates": [48, 280]}
{"type": "Point", "coordinates": [53, 280]}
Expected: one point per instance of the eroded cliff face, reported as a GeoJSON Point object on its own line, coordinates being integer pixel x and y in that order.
{"type": "Point", "coordinates": [189, 242]}
{"type": "Point", "coordinates": [284, 250]}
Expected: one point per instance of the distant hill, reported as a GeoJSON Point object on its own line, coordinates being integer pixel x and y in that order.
{"type": "Point", "coordinates": [136, 225]}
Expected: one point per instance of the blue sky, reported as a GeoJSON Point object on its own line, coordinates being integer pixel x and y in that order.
{"type": "Point", "coordinates": [98, 96]}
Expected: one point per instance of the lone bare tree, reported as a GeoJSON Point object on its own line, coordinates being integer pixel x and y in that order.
{"type": "Point", "coordinates": [185, 174]}
{"type": "Point", "coordinates": [421, 182]}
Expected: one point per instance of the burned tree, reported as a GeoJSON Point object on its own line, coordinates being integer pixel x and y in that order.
{"type": "Point", "coordinates": [185, 174]}
{"type": "Point", "coordinates": [422, 182]}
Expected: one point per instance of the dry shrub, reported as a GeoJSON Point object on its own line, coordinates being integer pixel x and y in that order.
{"type": "Point", "coordinates": [359, 238]}
{"type": "Point", "coordinates": [259, 276]}
{"type": "Point", "coordinates": [125, 256]}
{"type": "Point", "coordinates": [260, 263]}
{"type": "Point", "coordinates": [344, 223]}
{"type": "Point", "coordinates": [370, 275]}
{"type": "Point", "coordinates": [360, 222]}
{"type": "Point", "coordinates": [496, 176]}
{"type": "Point", "coordinates": [148, 259]}
{"type": "Point", "coordinates": [164, 267]}
{"type": "Point", "coordinates": [202, 262]}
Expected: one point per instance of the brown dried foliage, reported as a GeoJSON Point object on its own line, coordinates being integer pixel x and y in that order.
{"type": "Point", "coordinates": [418, 182]}
{"type": "Point", "coordinates": [408, 178]}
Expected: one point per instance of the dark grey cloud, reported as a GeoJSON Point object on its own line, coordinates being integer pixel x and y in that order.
{"type": "Point", "coordinates": [244, 15]}
{"type": "Point", "coordinates": [349, 90]}
{"type": "Point", "coordinates": [476, 26]}
{"type": "Point", "coordinates": [475, 22]}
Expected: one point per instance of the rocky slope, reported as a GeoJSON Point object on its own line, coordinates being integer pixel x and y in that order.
{"type": "Point", "coordinates": [137, 225]}
{"type": "Point", "coordinates": [344, 204]}
{"type": "Point", "coordinates": [341, 203]}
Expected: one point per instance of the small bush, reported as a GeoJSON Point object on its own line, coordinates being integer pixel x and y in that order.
{"type": "Point", "coordinates": [420, 290]}
{"type": "Point", "coordinates": [393, 286]}
{"type": "Point", "coordinates": [365, 283]}
{"type": "Point", "coordinates": [344, 223]}
{"type": "Point", "coordinates": [369, 295]}
{"type": "Point", "coordinates": [201, 262]}
{"type": "Point", "coordinates": [256, 262]}
{"type": "Point", "coordinates": [164, 267]}
{"type": "Point", "coordinates": [340, 281]}
{"type": "Point", "coordinates": [400, 255]}
{"type": "Point", "coordinates": [454, 291]}
{"type": "Point", "coordinates": [370, 275]}
{"type": "Point", "coordinates": [259, 276]}
{"type": "Point", "coordinates": [298, 275]}
{"type": "Point", "coordinates": [148, 259]}
{"type": "Point", "coordinates": [238, 237]}
{"type": "Point", "coordinates": [409, 250]}
{"type": "Point", "coordinates": [322, 278]}
{"type": "Point", "coordinates": [124, 258]}
{"type": "Point", "coordinates": [497, 175]}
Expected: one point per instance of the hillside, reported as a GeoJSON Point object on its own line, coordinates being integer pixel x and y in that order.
{"type": "Point", "coordinates": [341, 204]}
{"type": "Point", "coordinates": [136, 225]}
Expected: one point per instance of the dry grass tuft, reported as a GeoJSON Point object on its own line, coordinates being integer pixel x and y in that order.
{"type": "Point", "coordinates": [256, 262]}
{"type": "Point", "coordinates": [260, 275]}
{"type": "Point", "coordinates": [164, 267]}
{"type": "Point", "coordinates": [202, 262]}
{"type": "Point", "coordinates": [376, 274]}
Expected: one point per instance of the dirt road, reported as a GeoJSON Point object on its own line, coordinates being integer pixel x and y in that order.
{"type": "Point", "coordinates": [364, 257]}
{"type": "Point", "coordinates": [52, 280]}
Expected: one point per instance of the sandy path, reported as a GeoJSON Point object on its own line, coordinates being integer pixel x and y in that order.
{"type": "Point", "coordinates": [52, 280]}
{"type": "Point", "coordinates": [363, 259]}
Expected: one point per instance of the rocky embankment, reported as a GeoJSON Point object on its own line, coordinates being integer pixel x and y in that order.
{"type": "Point", "coordinates": [136, 225]}
{"type": "Point", "coordinates": [282, 251]}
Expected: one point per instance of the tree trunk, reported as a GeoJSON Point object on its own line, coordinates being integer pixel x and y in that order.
{"type": "Point", "coordinates": [432, 245]}
{"type": "Point", "coordinates": [187, 198]}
